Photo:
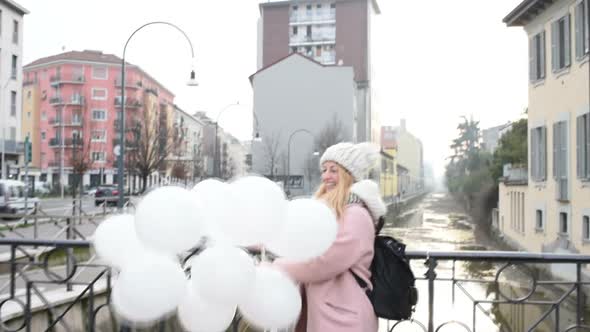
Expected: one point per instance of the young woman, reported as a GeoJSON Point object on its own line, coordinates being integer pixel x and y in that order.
{"type": "Point", "coordinates": [334, 300]}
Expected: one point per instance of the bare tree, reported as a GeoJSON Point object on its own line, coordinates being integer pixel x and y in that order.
{"type": "Point", "coordinates": [271, 153]}
{"type": "Point", "coordinates": [311, 170]}
{"type": "Point", "coordinates": [332, 133]}
{"type": "Point", "coordinates": [198, 166]}
{"type": "Point", "coordinates": [149, 143]}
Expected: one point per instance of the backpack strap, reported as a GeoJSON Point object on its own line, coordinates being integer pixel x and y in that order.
{"type": "Point", "coordinates": [360, 281]}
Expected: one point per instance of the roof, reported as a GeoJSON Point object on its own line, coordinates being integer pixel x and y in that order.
{"type": "Point", "coordinates": [251, 77]}
{"type": "Point", "coordinates": [288, 2]}
{"type": "Point", "coordinates": [526, 11]}
{"type": "Point", "coordinates": [86, 55]}
{"type": "Point", "coordinates": [15, 6]}
{"type": "Point", "coordinates": [91, 56]}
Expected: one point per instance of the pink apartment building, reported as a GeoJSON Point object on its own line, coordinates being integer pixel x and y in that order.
{"type": "Point", "coordinates": [75, 98]}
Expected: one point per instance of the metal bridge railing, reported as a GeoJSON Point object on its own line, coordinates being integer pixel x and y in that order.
{"type": "Point", "coordinates": [458, 290]}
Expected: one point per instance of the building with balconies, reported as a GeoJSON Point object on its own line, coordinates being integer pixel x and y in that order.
{"type": "Point", "coordinates": [331, 32]}
{"type": "Point", "coordinates": [11, 82]}
{"type": "Point", "coordinates": [76, 97]}
{"type": "Point", "coordinates": [549, 210]}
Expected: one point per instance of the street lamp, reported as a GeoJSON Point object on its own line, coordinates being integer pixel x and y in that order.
{"type": "Point", "coordinates": [315, 153]}
{"type": "Point", "coordinates": [121, 156]}
{"type": "Point", "coordinates": [257, 137]}
{"type": "Point", "coordinates": [216, 154]}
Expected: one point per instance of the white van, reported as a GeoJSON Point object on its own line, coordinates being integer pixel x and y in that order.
{"type": "Point", "coordinates": [12, 197]}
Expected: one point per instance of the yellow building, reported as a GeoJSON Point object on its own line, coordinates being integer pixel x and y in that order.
{"type": "Point", "coordinates": [551, 211]}
{"type": "Point", "coordinates": [388, 180]}
{"type": "Point", "coordinates": [30, 124]}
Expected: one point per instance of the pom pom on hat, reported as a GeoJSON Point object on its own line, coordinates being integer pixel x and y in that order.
{"type": "Point", "coordinates": [357, 159]}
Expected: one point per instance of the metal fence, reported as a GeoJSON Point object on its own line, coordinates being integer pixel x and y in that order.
{"type": "Point", "coordinates": [459, 291]}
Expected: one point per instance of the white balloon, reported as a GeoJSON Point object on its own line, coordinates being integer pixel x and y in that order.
{"type": "Point", "coordinates": [214, 195]}
{"type": "Point", "coordinates": [198, 315]}
{"type": "Point", "coordinates": [169, 219]}
{"type": "Point", "coordinates": [223, 274]}
{"type": "Point", "coordinates": [273, 301]}
{"type": "Point", "coordinates": [261, 208]}
{"type": "Point", "coordinates": [115, 240]}
{"type": "Point", "coordinates": [149, 288]}
{"type": "Point", "coordinates": [309, 230]}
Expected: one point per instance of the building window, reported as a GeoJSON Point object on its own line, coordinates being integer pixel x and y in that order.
{"type": "Point", "coordinates": [560, 43]}
{"type": "Point", "coordinates": [294, 31]}
{"type": "Point", "coordinates": [98, 156]}
{"type": "Point", "coordinates": [295, 8]}
{"type": "Point", "coordinates": [100, 72]}
{"type": "Point", "coordinates": [563, 226]}
{"type": "Point", "coordinates": [28, 115]}
{"type": "Point", "coordinates": [586, 227]}
{"type": "Point", "coordinates": [582, 35]}
{"type": "Point", "coordinates": [13, 133]}
{"type": "Point", "coordinates": [15, 31]}
{"type": "Point", "coordinates": [560, 156]}
{"type": "Point", "coordinates": [13, 103]}
{"type": "Point", "coordinates": [308, 51]}
{"type": "Point", "coordinates": [539, 154]}
{"type": "Point", "coordinates": [537, 57]}
{"type": "Point", "coordinates": [99, 94]}
{"type": "Point", "coordinates": [43, 115]}
{"type": "Point", "coordinates": [539, 222]}
{"type": "Point", "coordinates": [293, 49]}
{"type": "Point", "coordinates": [43, 135]}
{"type": "Point", "coordinates": [308, 31]}
{"type": "Point", "coordinates": [318, 50]}
{"type": "Point", "coordinates": [99, 135]}
{"type": "Point", "coordinates": [99, 115]}
{"type": "Point", "coordinates": [13, 69]}
{"type": "Point", "coordinates": [583, 146]}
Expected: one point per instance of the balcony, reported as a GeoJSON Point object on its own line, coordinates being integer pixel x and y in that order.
{"type": "Point", "coordinates": [129, 145]}
{"type": "Point", "coordinates": [76, 100]}
{"type": "Point", "coordinates": [67, 122]}
{"type": "Point", "coordinates": [12, 146]}
{"type": "Point", "coordinates": [316, 18]}
{"type": "Point", "coordinates": [315, 39]}
{"type": "Point", "coordinates": [57, 80]}
{"type": "Point", "coordinates": [68, 142]}
{"type": "Point", "coordinates": [129, 84]}
{"type": "Point", "coordinates": [515, 174]}
{"type": "Point", "coordinates": [129, 102]}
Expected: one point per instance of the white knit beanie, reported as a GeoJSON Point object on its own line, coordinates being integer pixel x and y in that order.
{"type": "Point", "coordinates": [357, 159]}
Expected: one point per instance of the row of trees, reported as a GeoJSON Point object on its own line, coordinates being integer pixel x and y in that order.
{"type": "Point", "coordinates": [472, 173]}
{"type": "Point", "coordinates": [152, 145]}
{"type": "Point", "coordinates": [275, 155]}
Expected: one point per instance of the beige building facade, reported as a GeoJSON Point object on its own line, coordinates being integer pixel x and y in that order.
{"type": "Point", "coordinates": [551, 212]}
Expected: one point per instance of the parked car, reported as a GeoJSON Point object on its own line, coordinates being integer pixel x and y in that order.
{"type": "Point", "coordinates": [12, 197]}
{"type": "Point", "coordinates": [107, 194]}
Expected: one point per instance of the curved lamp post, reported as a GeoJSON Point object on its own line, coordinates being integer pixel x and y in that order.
{"type": "Point", "coordinates": [216, 157]}
{"type": "Point", "coordinates": [121, 156]}
{"type": "Point", "coordinates": [315, 153]}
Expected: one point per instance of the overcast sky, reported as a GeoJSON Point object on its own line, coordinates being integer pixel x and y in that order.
{"type": "Point", "coordinates": [435, 60]}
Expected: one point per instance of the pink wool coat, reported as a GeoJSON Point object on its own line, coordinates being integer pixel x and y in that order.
{"type": "Point", "coordinates": [335, 301]}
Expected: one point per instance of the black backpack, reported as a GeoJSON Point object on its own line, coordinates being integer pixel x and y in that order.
{"type": "Point", "coordinates": [394, 295]}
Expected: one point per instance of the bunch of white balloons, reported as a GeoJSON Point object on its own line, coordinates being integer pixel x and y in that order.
{"type": "Point", "coordinates": [169, 221]}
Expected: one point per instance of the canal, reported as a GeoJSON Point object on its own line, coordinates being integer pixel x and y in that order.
{"type": "Point", "coordinates": [436, 222]}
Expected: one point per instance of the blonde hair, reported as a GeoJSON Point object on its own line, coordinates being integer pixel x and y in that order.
{"type": "Point", "coordinates": [337, 198]}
